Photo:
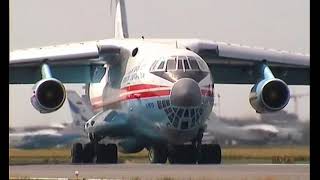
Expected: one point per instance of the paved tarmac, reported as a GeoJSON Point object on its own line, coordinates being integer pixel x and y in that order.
{"type": "Point", "coordinates": [156, 171]}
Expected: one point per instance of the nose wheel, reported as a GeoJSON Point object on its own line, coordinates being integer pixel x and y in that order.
{"type": "Point", "coordinates": [210, 154]}
{"type": "Point", "coordinates": [76, 153]}
{"type": "Point", "coordinates": [183, 154]}
{"type": "Point", "coordinates": [207, 153]}
{"type": "Point", "coordinates": [195, 152]}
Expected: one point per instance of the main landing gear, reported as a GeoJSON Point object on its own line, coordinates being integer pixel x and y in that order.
{"type": "Point", "coordinates": [186, 154]}
{"type": "Point", "coordinates": [94, 153]}
{"type": "Point", "coordinates": [158, 154]}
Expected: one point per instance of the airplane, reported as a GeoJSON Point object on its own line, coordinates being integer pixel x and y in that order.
{"type": "Point", "coordinates": [62, 135]}
{"type": "Point", "coordinates": [252, 133]}
{"type": "Point", "coordinates": [44, 137]}
{"type": "Point", "coordinates": [284, 130]}
{"type": "Point", "coordinates": [53, 135]}
{"type": "Point", "coordinates": [153, 93]}
{"type": "Point", "coordinates": [255, 133]}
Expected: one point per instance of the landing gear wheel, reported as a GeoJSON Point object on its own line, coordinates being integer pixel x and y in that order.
{"type": "Point", "coordinates": [106, 153]}
{"type": "Point", "coordinates": [158, 155]}
{"type": "Point", "coordinates": [217, 154]}
{"type": "Point", "coordinates": [183, 154]}
{"type": "Point", "coordinates": [76, 153]}
{"type": "Point", "coordinates": [113, 153]}
{"type": "Point", "coordinates": [88, 153]}
{"type": "Point", "coordinates": [210, 154]}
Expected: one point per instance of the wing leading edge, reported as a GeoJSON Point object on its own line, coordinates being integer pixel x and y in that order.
{"type": "Point", "coordinates": [74, 63]}
{"type": "Point", "coordinates": [236, 64]}
{"type": "Point", "coordinates": [229, 64]}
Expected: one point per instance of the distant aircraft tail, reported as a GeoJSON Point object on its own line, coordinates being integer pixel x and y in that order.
{"type": "Point", "coordinates": [120, 22]}
{"type": "Point", "coordinates": [80, 108]}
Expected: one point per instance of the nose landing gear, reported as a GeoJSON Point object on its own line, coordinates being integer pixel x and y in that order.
{"type": "Point", "coordinates": [210, 154]}
{"type": "Point", "coordinates": [76, 153]}
{"type": "Point", "coordinates": [207, 153]}
{"type": "Point", "coordinates": [187, 153]}
{"type": "Point", "coordinates": [183, 154]}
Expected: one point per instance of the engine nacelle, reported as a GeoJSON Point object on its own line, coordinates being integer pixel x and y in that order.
{"type": "Point", "coordinates": [48, 95]}
{"type": "Point", "coordinates": [269, 95]}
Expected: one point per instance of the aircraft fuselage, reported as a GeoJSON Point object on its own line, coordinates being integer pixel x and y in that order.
{"type": "Point", "coordinates": [166, 92]}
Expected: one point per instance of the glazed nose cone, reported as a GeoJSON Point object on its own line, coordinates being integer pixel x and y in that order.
{"type": "Point", "coordinates": [185, 92]}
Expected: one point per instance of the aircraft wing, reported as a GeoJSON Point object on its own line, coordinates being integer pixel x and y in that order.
{"type": "Point", "coordinates": [70, 63]}
{"type": "Point", "coordinates": [235, 64]}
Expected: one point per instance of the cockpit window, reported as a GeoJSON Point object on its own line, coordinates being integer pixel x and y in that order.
{"type": "Point", "coordinates": [153, 66]}
{"type": "Point", "coordinates": [180, 64]}
{"type": "Point", "coordinates": [186, 64]}
{"type": "Point", "coordinates": [193, 63]}
{"type": "Point", "coordinates": [161, 65]}
{"type": "Point", "coordinates": [171, 64]}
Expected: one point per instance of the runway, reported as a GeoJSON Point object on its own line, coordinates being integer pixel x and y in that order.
{"type": "Point", "coordinates": [156, 171]}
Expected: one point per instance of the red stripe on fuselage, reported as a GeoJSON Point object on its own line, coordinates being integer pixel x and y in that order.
{"type": "Point", "coordinates": [146, 94]}
{"type": "Point", "coordinates": [141, 91]}
{"type": "Point", "coordinates": [98, 103]}
{"type": "Point", "coordinates": [137, 87]}
{"type": "Point", "coordinates": [142, 87]}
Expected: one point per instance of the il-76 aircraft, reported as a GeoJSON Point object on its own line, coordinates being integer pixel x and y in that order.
{"type": "Point", "coordinates": [153, 93]}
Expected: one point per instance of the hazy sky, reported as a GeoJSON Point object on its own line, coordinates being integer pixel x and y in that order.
{"type": "Point", "coordinates": [278, 24]}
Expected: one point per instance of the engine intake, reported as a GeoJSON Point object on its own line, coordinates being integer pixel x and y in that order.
{"type": "Point", "coordinates": [48, 95]}
{"type": "Point", "coordinates": [269, 95]}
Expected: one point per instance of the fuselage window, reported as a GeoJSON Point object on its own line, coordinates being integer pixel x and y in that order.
{"type": "Point", "coordinates": [171, 65]}
{"type": "Point", "coordinates": [186, 64]}
{"type": "Point", "coordinates": [180, 64]}
{"type": "Point", "coordinates": [161, 65]}
{"type": "Point", "coordinates": [193, 63]}
{"type": "Point", "coordinates": [202, 65]}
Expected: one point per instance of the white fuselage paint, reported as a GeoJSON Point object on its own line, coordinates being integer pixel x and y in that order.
{"type": "Point", "coordinates": [140, 92]}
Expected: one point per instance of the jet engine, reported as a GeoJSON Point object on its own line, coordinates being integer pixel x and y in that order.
{"type": "Point", "coordinates": [269, 95]}
{"type": "Point", "coordinates": [48, 95]}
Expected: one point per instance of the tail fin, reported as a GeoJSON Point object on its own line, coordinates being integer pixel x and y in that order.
{"type": "Point", "coordinates": [120, 23]}
{"type": "Point", "coordinates": [80, 109]}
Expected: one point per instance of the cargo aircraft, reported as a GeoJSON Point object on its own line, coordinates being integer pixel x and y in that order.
{"type": "Point", "coordinates": [153, 93]}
